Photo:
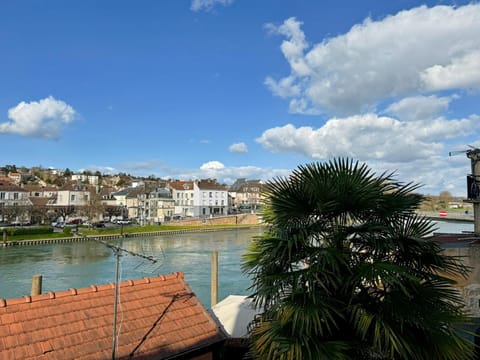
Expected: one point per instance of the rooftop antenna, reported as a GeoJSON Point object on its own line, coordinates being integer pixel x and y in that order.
{"type": "Point", "coordinates": [473, 183]}
{"type": "Point", "coordinates": [117, 250]}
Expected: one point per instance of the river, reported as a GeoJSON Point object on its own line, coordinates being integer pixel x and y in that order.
{"type": "Point", "coordinates": [77, 265]}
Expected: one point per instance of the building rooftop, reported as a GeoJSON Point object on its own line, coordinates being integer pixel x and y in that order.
{"type": "Point", "coordinates": [158, 318]}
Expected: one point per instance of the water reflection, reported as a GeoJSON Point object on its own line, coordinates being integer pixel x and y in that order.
{"type": "Point", "coordinates": [77, 265]}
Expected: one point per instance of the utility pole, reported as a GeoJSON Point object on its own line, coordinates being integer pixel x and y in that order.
{"type": "Point", "coordinates": [474, 156]}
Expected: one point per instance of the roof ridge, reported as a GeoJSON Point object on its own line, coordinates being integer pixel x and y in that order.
{"type": "Point", "coordinates": [92, 288]}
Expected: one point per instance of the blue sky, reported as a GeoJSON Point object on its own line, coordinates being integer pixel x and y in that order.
{"type": "Point", "coordinates": [241, 88]}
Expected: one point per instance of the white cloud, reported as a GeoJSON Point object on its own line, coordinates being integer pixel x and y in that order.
{"type": "Point", "coordinates": [238, 148]}
{"type": "Point", "coordinates": [212, 165]}
{"type": "Point", "coordinates": [418, 50]}
{"type": "Point", "coordinates": [419, 107]}
{"type": "Point", "coordinates": [460, 72]}
{"type": "Point", "coordinates": [369, 137]}
{"type": "Point", "coordinates": [294, 47]}
{"type": "Point", "coordinates": [42, 119]}
{"type": "Point", "coordinates": [227, 175]}
{"type": "Point", "coordinates": [284, 87]}
{"type": "Point", "coordinates": [207, 5]}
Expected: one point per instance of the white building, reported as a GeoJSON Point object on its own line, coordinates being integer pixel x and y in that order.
{"type": "Point", "coordinates": [13, 202]}
{"type": "Point", "coordinates": [210, 198]}
{"type": "Point", "coordinates": [74, 194]}
{"type": "Point", "coordinates": [156, 206]}
{"type": "Point", "coordinates": [89, 179]}
{"type": "Point", "coordinates": [183, 197]}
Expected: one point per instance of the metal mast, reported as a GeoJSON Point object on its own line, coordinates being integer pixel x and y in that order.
{"type": "Point", "coordinates": [474, 156]}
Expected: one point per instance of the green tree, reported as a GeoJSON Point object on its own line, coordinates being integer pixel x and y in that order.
{"type": "Point", "coordinates": [95, 207]}
{"type": "Point", "coordinates": [344, 271]}
{"type": "Point", "coordinates": [67, 173]}
{"type": "Point", "coordinates": [444, 199]}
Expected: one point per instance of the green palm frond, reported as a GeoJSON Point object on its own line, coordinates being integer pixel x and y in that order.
{"type": "Point", "coordinates": [345, 271]}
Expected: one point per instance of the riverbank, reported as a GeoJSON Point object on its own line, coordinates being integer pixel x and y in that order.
{"type": "Point", "coordinates": [116, 236]}
{"type": "Point", "coordinates": [81, 264]}
{"type": "Point", "coordinates": [448, 216]}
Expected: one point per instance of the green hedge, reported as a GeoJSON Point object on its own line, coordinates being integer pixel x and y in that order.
{"type": "Point", "coordinates": [28, 230]}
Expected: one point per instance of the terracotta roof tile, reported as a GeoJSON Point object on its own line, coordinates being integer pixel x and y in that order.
{"type": "Point", "coordinates": [157, 317]}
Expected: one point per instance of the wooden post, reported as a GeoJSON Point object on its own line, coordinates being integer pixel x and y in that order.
{"type": "Point", "coordinates": [214, 283]}
{"type": "Point", "coordinates": [36, 285]}
{"type": "Point", "coordinates": [4, 237]}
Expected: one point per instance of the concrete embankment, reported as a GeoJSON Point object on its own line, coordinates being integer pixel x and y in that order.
{"type": "Point", "coordinates": [80, 238]}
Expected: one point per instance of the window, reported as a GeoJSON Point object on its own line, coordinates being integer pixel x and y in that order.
{"type": "Point", "coordinates": [2, 195]}
{"type": "Point", "coordinates": [15, 196]}
{"type": "Point", "coordinates": [72, 197]}
{"type": "Point", "coordinates": [210, 194]}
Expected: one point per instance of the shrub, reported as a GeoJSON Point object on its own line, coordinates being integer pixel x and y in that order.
{"type": "Point", "coordinates": [29, 230]}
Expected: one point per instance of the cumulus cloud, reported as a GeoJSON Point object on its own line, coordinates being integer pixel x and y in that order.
{"type": "Point", "coordinates": [42, 119]}
{"type": "Point", "coordinates": [208, 5]}
{"type": "Point", "coordinates": [419, 50]}
{"type": "Point", "coordinates": [369, 137]}
{"type": "Point", "coordinates": [238, 148]}
{"type": "Point", "coordinates": [419, 107]}
{"type": "Point", "coordinates": [212, 165]}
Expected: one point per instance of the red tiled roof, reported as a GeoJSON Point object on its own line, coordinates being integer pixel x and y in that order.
{"type": "Point", "coordinates": [7, 186]}
{"type": "Point", "coordinates": [158, 318]}
{"type": "Point", "coordinates": [179, 185]}
{"type": "Point", "coordinates": [39, 201]}
{"type": "Point", "coordinates": [209, 184]}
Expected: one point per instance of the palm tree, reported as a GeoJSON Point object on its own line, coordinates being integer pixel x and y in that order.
{"type": "Point", "coordinates": [345, 271]}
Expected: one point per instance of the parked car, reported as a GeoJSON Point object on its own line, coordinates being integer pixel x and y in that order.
{"type": "Point", "coordinates": [75, 221]}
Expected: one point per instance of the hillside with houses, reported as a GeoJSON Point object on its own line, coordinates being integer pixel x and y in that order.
{"type": "Point", "coordinates": [41, 196]}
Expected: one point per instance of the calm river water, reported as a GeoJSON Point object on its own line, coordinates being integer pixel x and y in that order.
{"type": "Point", "coordinates": [77, 265]}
